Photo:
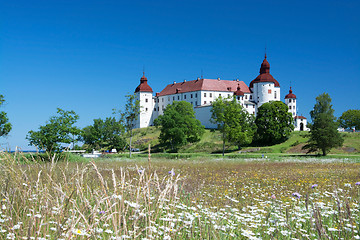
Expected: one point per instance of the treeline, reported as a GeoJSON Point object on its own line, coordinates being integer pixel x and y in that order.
{"type": "Point", "coordinates": [178, 125]}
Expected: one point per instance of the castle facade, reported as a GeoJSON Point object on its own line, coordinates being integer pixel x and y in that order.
{"type": "Point", "coordinates": [200, 93]}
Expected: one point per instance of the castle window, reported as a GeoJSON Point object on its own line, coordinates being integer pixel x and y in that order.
{"type": "Point", "coordinates": [238, 98]}
{"type": "Point", "coordinates": [289, 100]}
{"type": "Point", "coordinates": [269, 91]}
{"type": "Point", "coordinates": [196, 95]}
{"type": "Point", "coordinates": [289, 107]}
{"type": "Point", "coordinates": [162, 107]}
{"type": "Point", "coordinates": [178, 97]}
{"type": "Point", "coordinates": [162, 99]}
{"type": "Point", "coordinates": [191, 95]}
{"type": "Point", "coordinates": [204, 94]}
{"type": "Point", "coordinates": [294, 101]}
{"type": "Point", "coordinates": [146, 109]}
{"type": "Point", "coordinates": [275, 94]}
{"type": "Point", "coordinates": [146, 100]}
{"type": "Point", "coordinates": [184, 96]}
{"type": "Point", "coordinates": [210, 101]}
{"type": "Point", "coordinates": [245, 96]}
{"type": "Point", "coordinates": [242, 98]}
{"type": "Point", "coordinates": [250, 97]}
{"type": "Point", "coordinates": [210, 94]}
{"type": "Point", "coordinates": [173, 98]}
{"type": "Point", "coordinates": [219, 94]}
{"type": "Point", "coordinates": [158, 108]}
{"type": "Point", "coordinates": [155, 109]}
{"type": "Point", "coordinates": [246, 106]}
{"type": "Point", "coordinates": [204, 102]}
{"type": "Point", "coordinates": [158, 99]}
{"type": "Point", "coordinates": [192, 103]}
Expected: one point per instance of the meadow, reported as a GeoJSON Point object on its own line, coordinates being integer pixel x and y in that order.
{"type": "Point", "coordinates": [217, 198]}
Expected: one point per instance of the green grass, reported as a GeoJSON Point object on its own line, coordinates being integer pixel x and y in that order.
{"type": "Point", "coordinates": [211, 143]}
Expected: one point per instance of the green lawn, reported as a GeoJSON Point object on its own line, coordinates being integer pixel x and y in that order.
{"type": "Point", "coordinates": [211, 143]}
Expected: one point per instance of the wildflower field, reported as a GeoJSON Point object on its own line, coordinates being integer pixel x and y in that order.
{"type": "Point", "coordinates": [179, 199]}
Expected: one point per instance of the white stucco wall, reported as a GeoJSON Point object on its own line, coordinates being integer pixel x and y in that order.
{"type": "Point", "coordinates": [291, 103]}
{"type": "Point", "coordinates": [203, 113]}
{"type": "Point", "coordinates": [146, 109]}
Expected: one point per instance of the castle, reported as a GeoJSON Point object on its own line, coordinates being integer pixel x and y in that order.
{"type": "Point", "coordinates": [200, 93]}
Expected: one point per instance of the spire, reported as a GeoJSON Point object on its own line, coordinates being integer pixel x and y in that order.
{"type": "Point", "coordinates": [290, 95]}
{"type": "Point", "coordinates": [239, 92]}
{"type": "Point", "coordinates": [265, 66]}
{"type": "Point", "coordinates": [143, 86]}
{"type": "Point", "coordinates": [265, 51]}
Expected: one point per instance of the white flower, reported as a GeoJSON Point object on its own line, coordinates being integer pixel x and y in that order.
{"type": "Point", "coordinates": [15, 227]}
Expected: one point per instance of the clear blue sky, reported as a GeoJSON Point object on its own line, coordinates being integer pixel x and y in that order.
{"type": "Point", "coordinates": [87, 55]}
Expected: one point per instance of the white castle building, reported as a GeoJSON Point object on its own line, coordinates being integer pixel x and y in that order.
{"type": "Point", "coordinates": [200, 93]}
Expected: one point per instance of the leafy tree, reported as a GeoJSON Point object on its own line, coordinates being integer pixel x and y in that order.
{"type": "Point", "coordinates": [59, 129]}
{"type": "Point", "coordinates": [5, 126]}
{"type": "Point", "coordinates": [323, 129]}
{"type": "Point", "coordinates": [129, 117]}
{"type": "Point", "coordinates": [104, 135]}
{"type": "Point", "coordinates": [179, 126]}
{"type": "Point", "coordinates": [350, 119]}
{"type": "Point", "coordinates": [274, 123]}
{"type": "Point", "coordinates": [236, 124]}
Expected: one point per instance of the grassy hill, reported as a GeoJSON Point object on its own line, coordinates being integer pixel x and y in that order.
{"type": "Point", "coordinates": [211, 143]}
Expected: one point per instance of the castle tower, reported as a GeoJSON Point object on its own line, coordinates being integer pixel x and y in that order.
{"type": "Point", "coordinates": [290, 101]}
{"type": "Point", "coordinates": [265, 88]}
{"type": "Point", "coordinates": [144, 94]}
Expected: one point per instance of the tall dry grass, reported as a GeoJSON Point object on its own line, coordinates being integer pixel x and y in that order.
{"type": "Point", "coordinates": [214, 200]}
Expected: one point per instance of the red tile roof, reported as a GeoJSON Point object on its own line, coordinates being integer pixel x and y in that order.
{"type": "Point", "coordinates": [204, 85]}
{"type": "Point", "coordinates": [238, 92]}
{"type": "Point", "coordinates": [264, 75]}
{"type": "Point", "coordinates": [300, 117]}
{"type": "Point", "coordinates": [290, 95]}
{"type": "Point", "coordinates": [143, 86]}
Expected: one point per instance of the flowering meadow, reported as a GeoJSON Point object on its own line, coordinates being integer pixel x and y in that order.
{"type": "Point", "coordinates": [179, 199]}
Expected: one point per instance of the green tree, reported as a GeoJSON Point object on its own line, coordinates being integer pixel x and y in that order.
{"type": "Point", "coordinates": [58, 130]}
{"type": "Point", "coordinates": [130, 115]}
{"type": "Point", "coordinates": [5, 126]}
{"type": "Point", "coordinates": [104, 135]}
{"type": "Point", "coordinates": [236, 124]}
{"type": "Point", "coordinates": [274, 123]}
{"type": "Point", "coordinates": [178, 125]}
{"type": "Point", "coordinates": [350, 119]}
{"type": "Point", "coordinates": [323, 129]}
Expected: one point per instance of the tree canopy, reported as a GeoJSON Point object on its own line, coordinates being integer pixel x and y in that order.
{"type": "Point", "coordinates": [323, 129]}
{"type": "Point", "coordinates": [235, 123]}
{"type": "Point", "coordinates": [104, 135]}
{"type": "Point", "coordinates": [5, 125]}
{"type": "Point", "coordinates": [179, 126]}
{"type": "Point", "coordinates": [59, 129]}
{"type": "Point", "coordinates": [274, 123]}
{"type": "Point", "coordinates": [350, 119]}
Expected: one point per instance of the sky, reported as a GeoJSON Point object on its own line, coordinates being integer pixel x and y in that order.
{"type": "Point", "coordinates": [87, 55]}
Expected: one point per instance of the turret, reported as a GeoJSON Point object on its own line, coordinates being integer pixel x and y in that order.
{"type": "Point", "coordinates": [265, 88]}
{"type": "Point", "coordinates": [290, 101]}
{"type": "Point", "coordinates": [144, 94]}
